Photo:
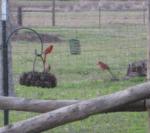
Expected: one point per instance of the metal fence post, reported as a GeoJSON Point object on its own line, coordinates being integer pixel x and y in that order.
{"type": "Point", "coordinates": [5, 56]}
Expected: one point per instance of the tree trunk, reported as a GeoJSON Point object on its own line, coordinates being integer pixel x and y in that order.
{"type": "Point", "coordinates": [79, 110]}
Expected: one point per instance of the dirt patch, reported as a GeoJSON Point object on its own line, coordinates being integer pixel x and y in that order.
{"type": "Point", "coordinates": [29, 36]}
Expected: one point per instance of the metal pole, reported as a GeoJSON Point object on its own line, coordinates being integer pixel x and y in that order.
{"type": "Point", "coordinates": [5, 56]}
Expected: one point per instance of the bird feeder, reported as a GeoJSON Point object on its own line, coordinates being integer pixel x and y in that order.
{"type": "Point", "coordinates": [40, 79]}
{"type": "Point", "coordinates": [74, 46]}
{"type": "Point", "coordinates": [43, 79]}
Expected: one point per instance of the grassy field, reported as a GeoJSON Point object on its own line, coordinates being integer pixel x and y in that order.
{"type": "Point", "coordinates": [91, 18]}
{"type": "Point", "coordinates": [80, 78]}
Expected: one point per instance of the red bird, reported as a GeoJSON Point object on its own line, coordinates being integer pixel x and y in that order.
{"type": "Point", "coordinates": [104, 66]}
{"type": "Point", "coordinates": [48, 50]}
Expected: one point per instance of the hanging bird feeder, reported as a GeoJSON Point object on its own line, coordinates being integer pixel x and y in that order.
{"type": "Point", "coordinates": [74, 46]}
{"type": "Point", "coordinates": [43, 79]}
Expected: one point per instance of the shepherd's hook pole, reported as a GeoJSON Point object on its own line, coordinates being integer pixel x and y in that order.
{"type": "Point", "coordinates": [4, 6]}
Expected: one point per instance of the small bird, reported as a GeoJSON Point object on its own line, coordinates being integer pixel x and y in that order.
{"type": "Point", "coordinates": [104, 67]}
{"type": "Point", "coordinates": [47, 51]}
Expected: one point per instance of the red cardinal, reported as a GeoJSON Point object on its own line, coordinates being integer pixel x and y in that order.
{"type": "Point", "coordinates": [104, 66]}
{"type": "Point", "coordinates": [48, 50]}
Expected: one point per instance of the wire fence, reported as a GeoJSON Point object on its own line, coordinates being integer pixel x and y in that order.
{"type": "Point", "coordinates": [103, 23]}
{"type": "Point", "coordinates": [108, 31]}
{"type": "Point", "coordinates": [69, 13]}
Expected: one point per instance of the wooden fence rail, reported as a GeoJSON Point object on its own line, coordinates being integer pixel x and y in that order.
{"type": "Point", "coordinates": [79, 110]}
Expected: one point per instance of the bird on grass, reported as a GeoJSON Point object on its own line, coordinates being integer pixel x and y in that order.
{"type": "Point", "coordinates": [105, 67]}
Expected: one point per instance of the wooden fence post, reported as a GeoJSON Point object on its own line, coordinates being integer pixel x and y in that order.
{"type": "Point", "coordinates": [148, 57]}
{"type": "Point", "coordinates": [144, 13]}
{"type": "Point", "coordinates": [19, 16]}
{"type": "Point", "coordinates": [53, 13]}
{"type": "Point", "coordinates": [99, 13]}
{"type": "Point", "coordinates": [148, 46]}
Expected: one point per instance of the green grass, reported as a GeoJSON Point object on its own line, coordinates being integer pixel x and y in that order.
{"type": "Point", "coordinates": [110, 123]}
{"type": "Point", "coordinates": [80, 78]}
